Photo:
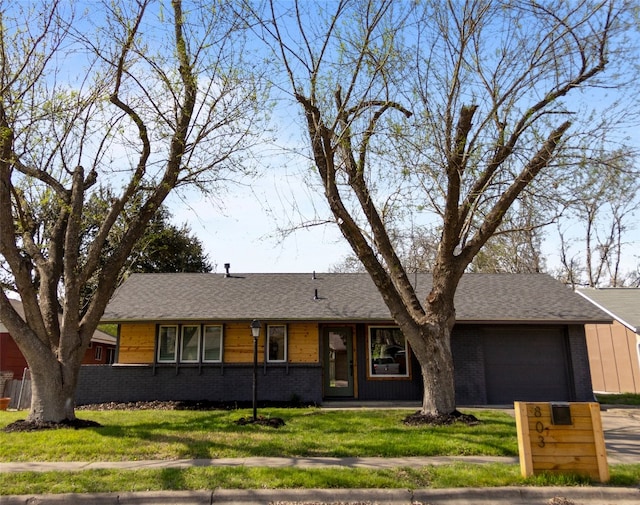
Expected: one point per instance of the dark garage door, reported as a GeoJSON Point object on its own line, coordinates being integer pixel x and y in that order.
{"type": "Point", "coordinates": [526, 364]}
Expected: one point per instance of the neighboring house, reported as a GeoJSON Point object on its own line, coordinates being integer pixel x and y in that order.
{"type": "Point", "coordinates": [614, 350]}
{"type": "Point", "coordinates": [329, 336]}
{"type": "Point", "coordinates": [101, 350]}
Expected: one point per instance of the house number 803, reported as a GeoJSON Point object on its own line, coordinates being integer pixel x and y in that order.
{"type": "Point", "coordinates": [539, 426]}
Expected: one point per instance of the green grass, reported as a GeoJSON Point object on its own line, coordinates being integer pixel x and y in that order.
{"type": "Point", "coordinates": [619, 399]}
{"type": "Point", "coordinates": [173, 479]}
{"type": "Point", "coordinates": [151, 434]}
{"type": "Point", "coordinates": [139, 435]}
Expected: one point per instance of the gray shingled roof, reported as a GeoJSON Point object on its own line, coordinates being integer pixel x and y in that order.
{"type": "Point", "coordinates": [341, 296]}
{"type": "Point", "coordinates": [622, 303]}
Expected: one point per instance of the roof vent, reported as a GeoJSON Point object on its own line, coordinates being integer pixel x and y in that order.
{"type": "Point", "coordinates": [313, 275]}
{"type": "Point", "coordinates": [227, 266]}
{"type": "Point", "coordinates": [315, 295]}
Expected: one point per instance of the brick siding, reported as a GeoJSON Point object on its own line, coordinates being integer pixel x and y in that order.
{"type": "Point", "coordinates": [129, 383]}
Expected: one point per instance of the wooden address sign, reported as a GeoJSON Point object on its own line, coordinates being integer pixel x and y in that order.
{"type": "Point", "coordinates": [561, 438]}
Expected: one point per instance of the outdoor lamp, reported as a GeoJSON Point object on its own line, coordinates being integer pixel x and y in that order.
{"type": "Point", "coordinates": [255, 328]}
{"type": "Point", "coordinates": [255, 332]}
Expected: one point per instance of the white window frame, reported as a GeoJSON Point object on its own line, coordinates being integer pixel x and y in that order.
{"type": "Point", "coordinates": [286, 343]}
{"type": "Point", "coordinates": [198, 328]}
{"type": "Point", "coordinates": [221, 343]}
{"type": "Point", "coordinates": [98, 353]}
{"type": "Point", "coordinates": [175, 346]}
{"type": "Point", "coordinates": [384, 370]}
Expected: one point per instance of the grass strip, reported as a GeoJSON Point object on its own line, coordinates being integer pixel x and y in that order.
{"type": "Point", "coordinates": [446, 476]}
{"type": "Point", "coordinates": [619, 399]}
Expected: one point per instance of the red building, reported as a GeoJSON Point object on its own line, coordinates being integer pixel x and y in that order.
{"type": "Point", "coordinates": [100, 352]}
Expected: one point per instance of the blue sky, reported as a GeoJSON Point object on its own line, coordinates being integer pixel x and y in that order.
{"type": "Point", "coordinates": [244, 231]}
{"type": "Point", "coordinates": [245, 235]}
{"type": "Point", "coordinates": [241, 227]}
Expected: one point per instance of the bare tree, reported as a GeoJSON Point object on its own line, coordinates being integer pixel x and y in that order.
{"type": "Point", "coordinates": [516, 247]}
{"type": "Point", "coordinates": [144, 97]}
{"type": "Point", "coordinates": [451, 109]}
{"type": "Point", "coordinates": [599, 220]}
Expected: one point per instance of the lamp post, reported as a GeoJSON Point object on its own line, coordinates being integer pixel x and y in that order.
{"type": "Point", "coordinates": [255, 332]}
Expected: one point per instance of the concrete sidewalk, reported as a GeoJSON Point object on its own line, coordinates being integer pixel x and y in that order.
{"type": "Point", "coordinates": [322, 462]}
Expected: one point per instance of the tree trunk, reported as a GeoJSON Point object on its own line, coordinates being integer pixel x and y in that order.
{"type": "Point", "coordinates": [53, 393]}
{"type": "Point", "coordinates": [432, 348]}
{"type": "Point", "coordinates": [53, 383]}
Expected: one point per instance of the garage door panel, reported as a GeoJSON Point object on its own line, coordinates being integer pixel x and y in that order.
{"type": "Point", "coordinates": [526, 364]}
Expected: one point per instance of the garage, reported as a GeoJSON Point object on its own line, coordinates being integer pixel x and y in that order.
{"type": "Point", "coordinates": [526, 364]}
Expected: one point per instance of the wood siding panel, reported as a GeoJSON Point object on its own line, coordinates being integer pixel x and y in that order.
{"type": "Point", "coordinates": [238, 343]}
{"type": "Point", "coordinates": [303, 343]}
{"type": "Point", "coordinates": [137, 343]}
{"type": "Point", "coordinates": [595, 357]}
{"type": "Point", "coordinates": [610, 369]}
{"type": "Point", "coordinates": [613, 358]}
{"type": "Point", "coordinates": [624, 358]}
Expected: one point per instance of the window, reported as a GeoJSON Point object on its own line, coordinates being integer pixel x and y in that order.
{"type": "Point", "coordinates": [190, 344]}
{"type": "Point", "coordinates": [98, 353]}
{"type": "Point", "coordinates": [277, 343]}
{"type": "Point", "coordinates": [212, 344]}
{"type": "Point", "coordinates": [387, 352]}
{"type": "Point", "coordinates": [167, 344]}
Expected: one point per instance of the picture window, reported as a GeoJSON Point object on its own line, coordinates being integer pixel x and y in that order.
{"type": "Point", "coordinates": [388, 353]}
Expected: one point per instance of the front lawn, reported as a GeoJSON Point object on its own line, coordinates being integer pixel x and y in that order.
{"type": "Point", "coordinates": [158, 434]}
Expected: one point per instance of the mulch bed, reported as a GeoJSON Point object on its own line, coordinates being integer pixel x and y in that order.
{"type": "Point", "coordinates": [187, 405]}
{"type": "Point", "coordinates": [271, 422]}
{"type": "Point", "coordinates": [23, 425]}
{"type": "Point", "coordinates": [418, 419]}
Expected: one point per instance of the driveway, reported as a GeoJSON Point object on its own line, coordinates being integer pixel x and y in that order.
{"type": "Point", "coordinates": [621, 427]}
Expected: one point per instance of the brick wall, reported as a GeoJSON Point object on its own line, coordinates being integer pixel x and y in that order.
{"type": "Point", "coordinates": [128, 383]}
{"type": "Point", "coordinates": [468, 359]}
{"type": "Point", "coordinates": [580, 364]}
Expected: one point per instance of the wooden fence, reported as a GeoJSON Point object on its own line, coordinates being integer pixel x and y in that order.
{"type": "Point", "coordinates": [19, 390]}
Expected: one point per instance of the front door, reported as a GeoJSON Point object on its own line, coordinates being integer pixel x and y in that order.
{"type": "Point", "coordinates": [337, 350]}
